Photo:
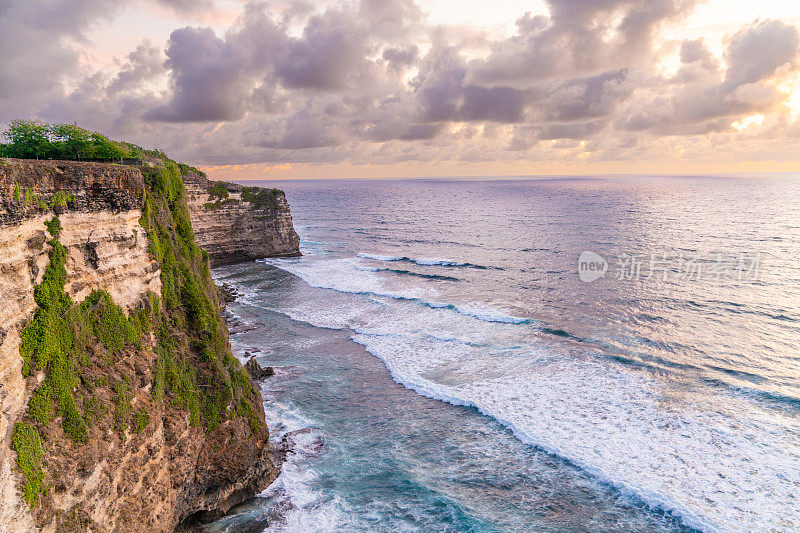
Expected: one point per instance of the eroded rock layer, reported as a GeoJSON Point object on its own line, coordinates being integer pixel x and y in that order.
{"type": "Point", "coordinates": [233, 229]}
{"type": "Point", "coordinates": [159, 468]}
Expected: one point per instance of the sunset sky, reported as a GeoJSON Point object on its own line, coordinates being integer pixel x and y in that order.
{"type": "Point", "coordinates": [393, 88]}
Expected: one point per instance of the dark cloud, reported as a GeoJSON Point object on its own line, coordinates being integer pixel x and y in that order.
{"type": "Point", "coordinates": [579, 38]}
{"type": "Point", "coordinates": [444, 94]}
{"type": "Point", "coordinates": [499, 104]}
{"type": "Point", "coordinates": [584, 98]}
{"type": "Point", "coordinates": [212, 75]}
{"type": "Point", "coordinates": [396, 130]}
{"type": "Point", "coordinates": [330, 53]}
{"type": "Point", "coordinates": [696, 52]}
{"type": "Point", "coordinates": [302, 130]}
{"type": "Point", "coordinates": [207, 80]}
{"type": "Point", "coordinates": [400, 58]}
{"type": "Point", "coordinates": [570, 130]}
{"type": "Point", "coordinates": [756, 52]}
{"type": "Point", "coordinates": [440, 82]}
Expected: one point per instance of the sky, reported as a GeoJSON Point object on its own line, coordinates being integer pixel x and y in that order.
{"type": "Point", "coordinates": [403, 88]}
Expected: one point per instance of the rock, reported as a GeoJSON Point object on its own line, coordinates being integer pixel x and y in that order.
{"type": "Point", "coordinates": [92, 187]}
{"type": "Point", "coordinates": [234, 230]}
{"type": "Point", "coordinates": [226, 294]}
{"type": "Point", "coordinates": [170, 473]}
{"type": "Point", "coordinates": [36, 241]}
{"type": "Point", "coordinates": [229, 470]}
{"type": "Point", "coordinates": [256, 371]}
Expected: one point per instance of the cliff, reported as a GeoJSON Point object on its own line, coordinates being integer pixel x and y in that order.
{"type": "Point", "coordinates": [121, 406]}
{"type": "Point", "coordinates": [236, 224]}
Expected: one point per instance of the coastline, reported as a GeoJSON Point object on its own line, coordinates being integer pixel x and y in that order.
{"type": "Point", "coordinates": [344, 400]}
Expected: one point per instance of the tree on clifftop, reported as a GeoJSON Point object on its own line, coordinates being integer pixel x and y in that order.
{"type": "Point", "coordinates": [28, 139]}
{"type": "Point", "coordinates": [74, 140]}
{"type": "Point", "coordinates": [32, 139]}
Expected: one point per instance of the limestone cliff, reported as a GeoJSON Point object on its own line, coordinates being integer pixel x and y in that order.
{"type": "Point", "coordinates": [124, 410]}
{"type": "Point", "coordinates": [235, 223]}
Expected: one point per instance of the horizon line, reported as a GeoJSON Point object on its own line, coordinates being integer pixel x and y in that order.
{"type": "Point", "coordinates": [498, 177]}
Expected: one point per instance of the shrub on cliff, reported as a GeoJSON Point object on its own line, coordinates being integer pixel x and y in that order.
{"type": "Point", "coordinates": [202, 377]}
{"type": "Point", "coordinates": [55, 342]}
{"type": "Point", "coordinates": [259, 197]}
{"type": "Point", "coordinates": [218, 190]}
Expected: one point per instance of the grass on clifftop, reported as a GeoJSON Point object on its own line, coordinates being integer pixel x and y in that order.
{"type": "Point", "coordinates": [259, 197]}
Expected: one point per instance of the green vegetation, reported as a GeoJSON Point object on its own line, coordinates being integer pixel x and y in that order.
{"type": "Point", "coordinates": [61, 199]}
{"type": "Point", "coordinates": [30, 455]}
{"type": "Point", "coordinates": [259, 197]}
{"type": "Point", "coordinates": [56, 341]}
{"type": "Point", "coordinates": [123, 407]}
{"type": "Point", "coordinates": [141, 419]}
{"type": "Point", "coordinates": [32, 200]}
{"type": "Point", "coordinates": [31, 139]}
{"type": "Point", "coordinates": [201, 376]}
{"type": "Point", "coordinates": [218, 191]}
{"type": "Point", "coordinates": [84, 349]}
{"type": "Point", "coordinates": [185, 169]}
{"type": "Point", "coordinates": [220, 204]}
{"type": "Point", "coordinates": [218, 194]}
{"type": "Point", "coordinates": [93, 409]}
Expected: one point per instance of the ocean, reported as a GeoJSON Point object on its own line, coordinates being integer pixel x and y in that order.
{"type": "Point", "coordinates": [554, 354]}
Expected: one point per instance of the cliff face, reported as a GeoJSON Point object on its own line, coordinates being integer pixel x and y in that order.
{"type": "Point", "coordinates": [247, 224]}
{"type": "Point", "coordinates": [154, 443]}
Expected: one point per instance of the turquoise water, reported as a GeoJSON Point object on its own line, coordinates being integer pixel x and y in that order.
{"type": "Point", "coordinates": [442, 367]}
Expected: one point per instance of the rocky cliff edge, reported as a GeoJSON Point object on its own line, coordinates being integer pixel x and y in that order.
{"type": "Point", "coordinates": [121, 406]}
{"type": "Point", "coordinates": [235, 223]}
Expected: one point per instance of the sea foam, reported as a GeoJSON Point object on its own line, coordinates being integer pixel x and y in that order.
{"type": "Point", "coordinates": [697, 460]}
{"type": "Point", "coordinates": [421, 261]}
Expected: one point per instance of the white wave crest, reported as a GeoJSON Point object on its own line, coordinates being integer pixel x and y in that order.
{"type": "Point", "coordinates": [696, 459]}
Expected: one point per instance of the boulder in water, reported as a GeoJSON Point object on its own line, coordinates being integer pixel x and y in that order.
{"type": "Point", "coordinates": [256, 371]}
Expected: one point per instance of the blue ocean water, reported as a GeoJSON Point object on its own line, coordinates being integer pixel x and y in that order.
{"type": "Point", "coordinates": [442, 366]}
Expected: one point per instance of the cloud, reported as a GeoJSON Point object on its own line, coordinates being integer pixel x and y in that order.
{"type": "Point", "coordinates": [756, 52]}
{"type": "Point", "coordinates": [39, 46]}
{"type": "Point", "coordinates": [144, 64]}
{"type": "Point", "coordinates": [400, 58]}
{"type": "Point", "coordinates": [372, 81]}
{"type": "Point", "coordinates": [584, 98]}
{"type": "Point", "coordinates": [696, 103]}
{"type": "Point", "coordinates": [207, 79]}
{"type": "Point", "coordinates": [444, 95]}
{"type": "Point", "coordinates": [330, 54]}
{"type": "Point", "coordinates": [695, 51]}
{"type": "Point", "coordinates": [579, 38]}
{"type": "Point", "coordinates": [187, 6]}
